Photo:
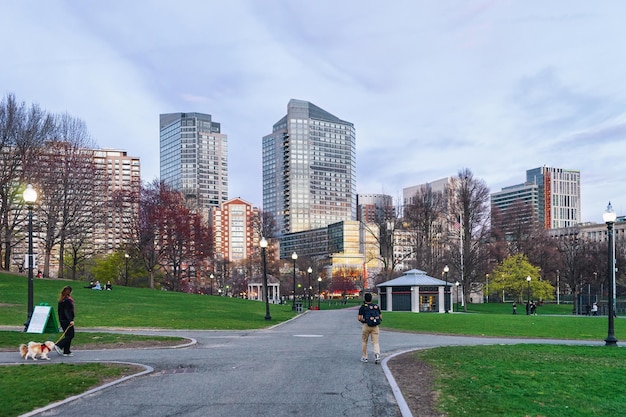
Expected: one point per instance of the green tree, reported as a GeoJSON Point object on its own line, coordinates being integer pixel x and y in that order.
{"type": "Point", "coordinates": [511, 276]}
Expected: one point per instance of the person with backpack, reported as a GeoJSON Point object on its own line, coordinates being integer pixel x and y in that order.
{"type": "Point", "coordinates": [371, 317]}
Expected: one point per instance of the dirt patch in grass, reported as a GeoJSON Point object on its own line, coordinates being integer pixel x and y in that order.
{"type": "Point", "coordinates": [415, 379]}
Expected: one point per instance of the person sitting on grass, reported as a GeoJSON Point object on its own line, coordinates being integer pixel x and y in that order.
{"type": "Point", "coordinates": [96, 286]}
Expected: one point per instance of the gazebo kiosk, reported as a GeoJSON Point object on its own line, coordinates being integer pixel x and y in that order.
{"type": "Point", "coordinates": [255, 289]}
{"type": "Point", "coordinates": [414, 291]}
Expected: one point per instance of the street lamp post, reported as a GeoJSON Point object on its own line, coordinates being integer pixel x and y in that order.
{"type": "Point", "coordinates": [558, 292]}
{"type": "Point", "coordinates": [294, 256]}
{"type": "Point", "coordinates": [457, 296]}
{"type": "Point", "coordinates": [319, 291]}
{"type": "Point", "coordinates": [310, 270]}
{"type": "Point", "coordinates": [211, 277]}
{"type": "Point", "coordinates": [126, 256]}
{"type": "Point", "coordinates": [487, 279]}
{"type": "Point", "coordinates": [609, 218]}
{"type": "Point", "coordinates": [30, 197]}
{"type": "Point", "coordinates": [528, 304]}
{"type": "Point", "coordinates": [263, 244]}
{"type": "Point", "coordinates": [445, 274]}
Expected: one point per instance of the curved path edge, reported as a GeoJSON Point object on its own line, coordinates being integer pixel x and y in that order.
{"type": "Point", "coordinates": [147, 370]}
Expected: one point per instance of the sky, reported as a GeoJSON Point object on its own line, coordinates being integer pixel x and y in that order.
{"type": "Point", "coordinates": [432, 87]}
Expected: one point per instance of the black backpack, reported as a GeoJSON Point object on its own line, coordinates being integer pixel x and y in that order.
{"type": "Point", "coordinates": [372, 315]}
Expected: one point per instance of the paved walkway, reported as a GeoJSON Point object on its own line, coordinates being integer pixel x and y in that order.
{"type": "Point", "coordinates": [308, 366]}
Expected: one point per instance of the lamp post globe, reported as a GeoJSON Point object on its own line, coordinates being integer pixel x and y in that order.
{"type": "Point", "coordinates": [263, 244]}
{"type": "Point", "coordinates": [30, 197]}
{"type": "Point", "coordinates": [609, 218]}
{"type": "Point", "coordinates": [294, 257]}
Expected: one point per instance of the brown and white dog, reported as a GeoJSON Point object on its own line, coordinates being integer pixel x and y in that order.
{"type": "Point", "coordinates": [34, 349]}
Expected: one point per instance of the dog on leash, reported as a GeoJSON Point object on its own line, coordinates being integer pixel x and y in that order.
{"type": "Point", "coordinates": [35, 349]}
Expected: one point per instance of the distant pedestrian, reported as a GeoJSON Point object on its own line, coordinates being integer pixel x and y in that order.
{"type": "Point", "coordinates": [587, 310]}
{"type": "Point", "coordinates": [514, 308]}
{"type": "Point", "coordinates": [528, 308]}
{"type": "Point", "coordinates": [66, 318]}
{"type": "Point", "coordinates": [533, 309]}
{"type": "Point", "coordinates": [594, 309]}
{"type": "Point", "coordinates": [370, 316]}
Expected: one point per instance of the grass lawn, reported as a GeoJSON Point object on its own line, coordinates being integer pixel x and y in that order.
{"type": "Point", "coordinates": [529, 380]}
{"type": "Point", "coordinates": [137, 307]}
{"type": "Point", "coordinates": [54, 382]}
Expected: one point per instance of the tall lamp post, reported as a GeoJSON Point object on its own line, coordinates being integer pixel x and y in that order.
{"type": "Point", "coordinates": [445, 274]}
{"type": "Point", "coordinates": [294, 256]}
{"type": "Point", "coordinates": [319, 291]}
{"type": "Point", "coordinates": [310, 270]}
{"type": "Point", "coordinates": [609, 218]}
{"type": "Point", "coordinates": [263, 244]}
{"type": "Point", "coordinates": [211, 277]}
{"type": "Point", "coordinates": [30, 197]}
{"type": "Point", "coordinates": [457, 296]}
{"type": "Point", "coordinates": [126, 256]}
{"type": "Point", "coordinates": [528, 303]}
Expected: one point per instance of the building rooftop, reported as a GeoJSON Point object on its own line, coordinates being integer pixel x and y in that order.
{"type": "Point", "coordinates": [412, 278]}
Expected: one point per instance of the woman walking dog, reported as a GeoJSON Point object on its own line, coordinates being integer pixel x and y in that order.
{"type": "Point", "coordinates": [66, 318]}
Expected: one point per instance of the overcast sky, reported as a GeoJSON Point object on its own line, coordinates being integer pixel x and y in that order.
{"type": "Point", "coordinates": [432, 87]}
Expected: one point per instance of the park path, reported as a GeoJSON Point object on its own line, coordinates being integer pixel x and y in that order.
{"type": "Point", "coordinates": [308, 366]}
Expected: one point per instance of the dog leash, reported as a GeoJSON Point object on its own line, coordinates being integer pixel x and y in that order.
{"type": "Point", "coordinates": [63, 334]}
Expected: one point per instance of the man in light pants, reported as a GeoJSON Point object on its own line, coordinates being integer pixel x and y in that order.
{"type": "Point", "coordinates": [369, 329]}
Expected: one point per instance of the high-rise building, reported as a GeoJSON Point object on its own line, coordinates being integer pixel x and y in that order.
{"type": "Point", "coordinates": [309, 169]}
{"type": "Point", "coordinates": [235, 229]}
{"type": "Point", "coordinates": [550, 199]}
{"type": "Point", "coordinates": [559, 196]}
{"type": "Point", "coordinates": [122, 174]}
{"type": "Point", "coordinates": [194, 158]}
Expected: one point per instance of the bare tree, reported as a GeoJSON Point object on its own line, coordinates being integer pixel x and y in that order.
{"type": "Point", "coordinates": [22, 133]}
{"type": "Point", "coordinates": [517, 224]}
{"type": "Point", "coordinates": [471, 205]}
{"type": "Point", "coordinates": [268, 228]}
{"type": "Point", "coordinates": [384, 233]}
{"type": "Point", "coordinates": [70, 183]}
{"type": "Point", "coordinates": [425, 216]}
{"type": "Point", "coordinates": [573, 262]}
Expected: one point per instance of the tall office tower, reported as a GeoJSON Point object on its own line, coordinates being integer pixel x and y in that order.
{"type": "Point", "coordinates": [559, 196]}
{"type": "Point", "coordinates": [309, 169]}
{"type": "Point", "coordinates": [194, 158]}
{"type": "Point", "coordinates": [122, 174]}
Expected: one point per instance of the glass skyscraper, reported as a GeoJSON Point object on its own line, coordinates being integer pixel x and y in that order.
{"type": "Point", "coordinates": [309, 169]}
{"type": "Point", "coordinates": [194, 158]}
